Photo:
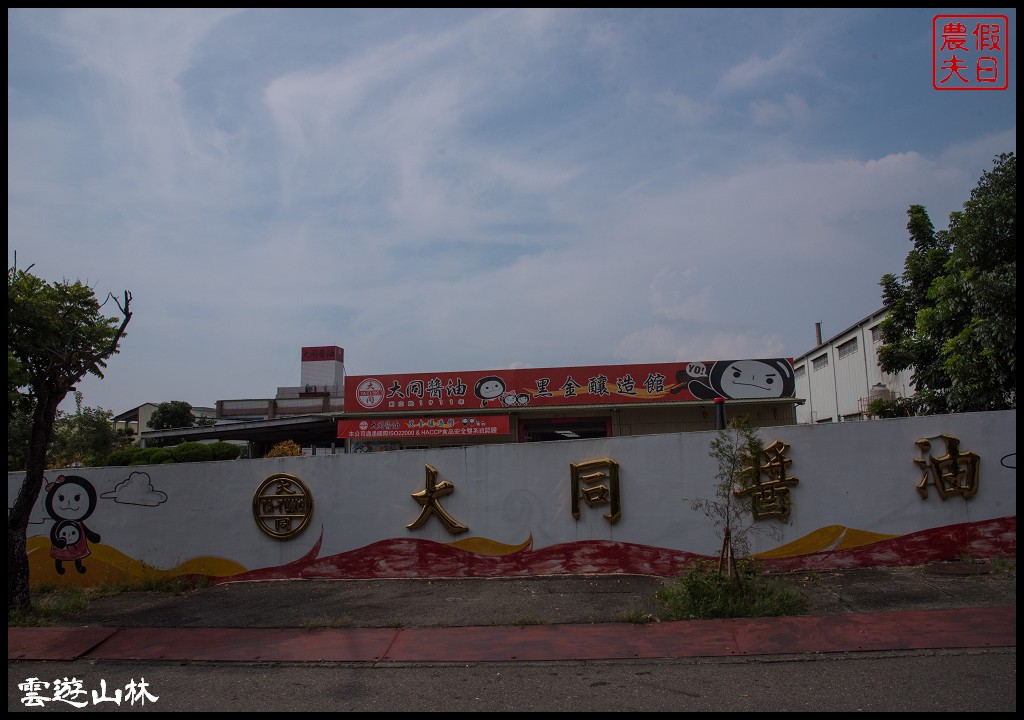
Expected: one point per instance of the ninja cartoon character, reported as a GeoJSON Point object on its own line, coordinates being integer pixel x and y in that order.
{"type": "Point", "coordinates": [735, 379]}
{"type": "Point", "coordinates": [489, 388]}
{"type": "Point", "coordinates": [70, 499]}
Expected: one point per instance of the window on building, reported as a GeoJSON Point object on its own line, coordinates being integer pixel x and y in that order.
{"type": "Point", "coordinates": [819, 362]}
{"type": "Point", "coordinates": [847, 348]}
{"type": "Point", "coordinates": [798, 373]}
{"type": "Point", "coordinates": [876, 334]}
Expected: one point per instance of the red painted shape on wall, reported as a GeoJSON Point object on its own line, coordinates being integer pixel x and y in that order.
{"type": "Point", "coordinates": [414, 558]}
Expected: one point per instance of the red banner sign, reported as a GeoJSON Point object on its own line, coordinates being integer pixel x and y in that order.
{"type": "Point", "coordinates": [421, 427]}
{"type": "Point", "coordinates": [323, 352]}
{"type": "Point", "coordinates": [571, 386]}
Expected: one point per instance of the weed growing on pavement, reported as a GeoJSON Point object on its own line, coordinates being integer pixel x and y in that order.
{"type": "Point", "coordinates": [703, 593]}
{"type": "Point", "coordinates": [638, 617]}
{"type": "Point", "coordinates": [1006, 566]}
{"type": "Point", "coordinates": [329, 622]}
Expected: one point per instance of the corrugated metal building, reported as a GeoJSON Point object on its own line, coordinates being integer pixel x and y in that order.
{"type": "Point", "coordinates": [839, 377]}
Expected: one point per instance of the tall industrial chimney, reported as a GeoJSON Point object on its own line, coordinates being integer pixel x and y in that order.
{"type": "Point", "coordinates": [817, 334]}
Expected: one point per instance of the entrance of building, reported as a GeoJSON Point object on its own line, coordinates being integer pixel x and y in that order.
{"type": "Point", "coordinates": [564, 429]}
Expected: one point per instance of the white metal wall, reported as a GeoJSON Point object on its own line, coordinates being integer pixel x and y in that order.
{"type": "Point", "coordinates": [834, 392]}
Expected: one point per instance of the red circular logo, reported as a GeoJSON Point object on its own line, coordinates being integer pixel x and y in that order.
{"type": "Point", "coordinates": [370, 393]}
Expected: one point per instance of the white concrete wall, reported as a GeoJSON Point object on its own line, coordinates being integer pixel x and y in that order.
{"type": "Point", "coordinates": [857, 475]}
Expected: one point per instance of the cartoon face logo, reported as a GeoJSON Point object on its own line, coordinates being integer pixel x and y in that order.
{"type": "Point", "coordinates": [512, 399]}
{"type": "Point", "coordinates": [752, 379]}
{"type": "Point", "coordinates": [68, 532]}
{"type": "Point", "coordinates": [70, 498]}
{"type": "Point", "coordinates": [734, 379]}
{"type": "Point", "coordinates": [489, 388]}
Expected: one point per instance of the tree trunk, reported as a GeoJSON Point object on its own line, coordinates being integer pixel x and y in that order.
{"type": "Point", "coordinates": [18, 595]}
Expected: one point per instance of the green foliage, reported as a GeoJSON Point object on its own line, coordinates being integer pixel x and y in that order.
{"type": "Point", "coordinates": [703, 593]}
{"type": "Point", "coordinates": [225, 451]}
{"type": "Point", "coordinates": [152, 456]}
{"type": "Point", "coordinates": [57, 333]}
{"type": "Point", "coordinates": [19, 433]}
{"type": "Point", "coordinates": [952, 314]}
{"type": "Point", "coordinates": [186, 452]}
{"type": "Point", "coordinates": [191, 452]}
{"type": "Point", "coordinates": [173, 414]}
{"type": "Point", "coordinates": [122, 457]}
{"type": "Point", "coordinates": [897, 407]}
{"type": "Point", "coordinates": [85, 438]}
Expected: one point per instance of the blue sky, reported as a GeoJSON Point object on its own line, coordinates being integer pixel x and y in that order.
{"type": "Point", "coordinates": [443, 190]}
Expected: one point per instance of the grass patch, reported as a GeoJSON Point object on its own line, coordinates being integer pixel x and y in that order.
{"type": "Point", "coordinates": [50, 607]}
{"type": "Point", "coordinates": [1005, 566]}
{"type": "Point", "coordinates": [638, 617]}
{"type": "Point", "coordinates": [702, 593]}
{"type": "Point", "coordinates": [52, 604]}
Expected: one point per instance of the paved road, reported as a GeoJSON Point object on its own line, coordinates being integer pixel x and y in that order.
{"type": "Point", "coordinates": [938, 638]}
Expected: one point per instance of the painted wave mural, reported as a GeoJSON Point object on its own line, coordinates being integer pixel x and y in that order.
{"type": "Point", "coordinates": [831, 547]}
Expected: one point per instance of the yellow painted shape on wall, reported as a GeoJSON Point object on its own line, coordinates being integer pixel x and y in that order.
{"type": "Point", "coordinates": [483, 546]}
{"type": "Point", "coordinates": [108, 566]}
{"type": "Point", "coordinates": [830, 537]}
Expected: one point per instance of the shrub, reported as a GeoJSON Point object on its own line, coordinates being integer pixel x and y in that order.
{"type": "Point", "coordinates": [123, 457]}
{"type": "Point", "coordinates": [703, 593]}
{"type": "Point", "coordinates": [185, 452]}
{"type": "Point", "coordinates": [191, 452]}
{"type": "Point", "coordinates": [285, 448]}
{"type": "Point", "coordinates": [225, 451]}
{"type": "Point", "coordinates": [151, 456]}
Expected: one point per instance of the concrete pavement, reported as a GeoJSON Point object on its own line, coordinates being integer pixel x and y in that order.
{"type": "Point", "coordinates": [951, 605]}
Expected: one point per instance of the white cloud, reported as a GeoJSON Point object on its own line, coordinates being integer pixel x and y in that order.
{"type": "Point", "coordinates": [792, 108]}
{"type": "Point", "coordinates": [471, 188]}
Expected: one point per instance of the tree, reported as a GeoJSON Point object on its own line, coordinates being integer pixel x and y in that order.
{"type": "Point", "coordinates": [905, 297]}
{"type": "Point", "coordinates": [86, 437]}
{"type": "Point", "coordinates": [173, 414]}
{"type": "Point", "coordinates": [976, 302]}
{"type": "Point", "coordinates": [738, 451]}
{"type": "Point", "coordinates": [952, 317]}
{"type": "Point", "coordinates": [56, 335]}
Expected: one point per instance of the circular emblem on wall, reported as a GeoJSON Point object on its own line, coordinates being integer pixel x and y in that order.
{"type": "Point", "coordinates": [370, 393]}
{"type": "Point", "coordinates": [282, 506]}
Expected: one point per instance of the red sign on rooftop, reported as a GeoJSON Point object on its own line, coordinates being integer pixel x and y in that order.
{"type": "Point", "coordinates": [323, 352]}
{"type": "Point", "coordinates": [570, 386]}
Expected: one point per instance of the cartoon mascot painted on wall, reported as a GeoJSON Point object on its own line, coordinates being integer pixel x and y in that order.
{"type": "Point", "coordinates": [70, 499]}
{"type": "Point", "coordinates": [737, 379]}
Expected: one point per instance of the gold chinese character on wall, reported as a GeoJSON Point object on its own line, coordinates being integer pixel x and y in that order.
{"type": "Point", "coordinates": [955, 473]}
{"type": "Point", "coordinates": [588, 482]}
{"type": "Point", "coordinates": [430, 500]}
{"type": "Point", "coordinates": [770, 498]}
{"type": "Point", "coordinates": [282, 506]}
